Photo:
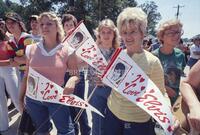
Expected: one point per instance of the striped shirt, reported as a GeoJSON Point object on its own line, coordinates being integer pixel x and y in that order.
{"type": "Point", "coordinates": [17, 48]}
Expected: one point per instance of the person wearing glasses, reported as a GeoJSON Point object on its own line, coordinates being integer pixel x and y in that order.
{"type": "Point", "coordinates": [172, 59]}
{"type": "Point", "coordinates": [18, 41]}
{"type": "Point", "coordinates": [13, 66]}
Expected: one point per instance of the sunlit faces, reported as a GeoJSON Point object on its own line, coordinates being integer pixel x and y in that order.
{"type": "Point", "coordinates": [106, 35]}
{"type": "Point", "coordinates": [48, 27]}
{"type": "Point", "coordinates": [131, 35]}
{"type": "Point", "coordinates": [12, 26]}
{"type": "Point", "coordinates": [68, 26]}
{"type": "Point", "coordinates": [172, 35]}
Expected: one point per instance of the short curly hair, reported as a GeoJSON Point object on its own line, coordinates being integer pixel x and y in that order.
{"type": "Point", "coordinates": [166, 26]}
{"type": "Point", "coordinates": [135, 15]}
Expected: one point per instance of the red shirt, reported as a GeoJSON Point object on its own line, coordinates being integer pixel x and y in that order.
{"type": "Point", "coordinates": [3, 50]}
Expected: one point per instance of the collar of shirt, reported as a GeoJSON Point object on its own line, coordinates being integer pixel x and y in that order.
{"type": "Point", "coordinates": [50, 53]}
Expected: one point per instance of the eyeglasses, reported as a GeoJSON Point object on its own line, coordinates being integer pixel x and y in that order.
{"type": "Point", "coordinates": [173, 33]}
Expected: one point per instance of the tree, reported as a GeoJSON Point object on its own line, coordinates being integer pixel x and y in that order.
{"type": "Point", "coordinates": [9, 6]}
{"type": "Point", "coordinates": [153, 16]}
{"type": "Point", "coordinates": [91, 11]}
{"type": "Point", "coordinates": [3, 8]}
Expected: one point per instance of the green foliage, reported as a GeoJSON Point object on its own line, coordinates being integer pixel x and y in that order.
{"type": "Point", "coordinates": [7, 6]}
{"type": "Point", "coordinates": [3, 8]}
{"type": "Point", "coordinates": [153, 16]}
{"type": "Point", "coordinates": [91, 11]}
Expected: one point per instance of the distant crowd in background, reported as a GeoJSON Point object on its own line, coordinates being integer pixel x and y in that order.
{"type": "Point", "coordinates": [163, 58]}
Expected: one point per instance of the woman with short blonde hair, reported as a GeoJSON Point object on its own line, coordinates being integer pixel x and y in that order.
{"type": "Point", "coordinates": [172, 59]}
{"type": "Point", "coordinates": [126, 117]}
{"type": "Point", "coordinates": [167, 25]}
{"type": "Point", "coordinates": [134, 15]}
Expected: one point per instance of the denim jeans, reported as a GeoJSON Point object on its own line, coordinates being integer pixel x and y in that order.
{"type": "Point", "coordinates": [79, 91]}
{"type": "Point", "coordinates": [115, 126]}
{"type": "Point", "coordinates": [99, 101]}
{"type": "Point", "coordinates": [41, 112]}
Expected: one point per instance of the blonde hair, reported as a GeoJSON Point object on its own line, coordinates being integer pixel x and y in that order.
{"type": "Point", "coordinates": [52, 16]}
{"type": "Point", "coordinates": [133, 15]}
{"type": "Point", "coordinates": [166, 26]}
{"type": "Point", "coordinates": [108, 24]}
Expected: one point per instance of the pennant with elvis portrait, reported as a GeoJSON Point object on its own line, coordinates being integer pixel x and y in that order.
{"type": "Point", "coordinates": [125, 76]}
{"type": "Point", "coordinates": [86, 48]}
{"type": "Point", "coordinates": [42, 89]}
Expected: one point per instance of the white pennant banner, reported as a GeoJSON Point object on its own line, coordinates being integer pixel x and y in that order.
{"type": "Point", "coordinates": [42, 89]}
{"type": "Point", "coordinates": [86, 48]}
{"type": "Point", "coordinates": [125, 76]}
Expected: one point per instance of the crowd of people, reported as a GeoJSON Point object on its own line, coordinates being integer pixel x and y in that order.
{"type": "Point", "coordinates": [163, 60]}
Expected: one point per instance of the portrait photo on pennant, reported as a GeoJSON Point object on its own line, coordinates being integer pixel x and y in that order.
{"type": "Point", "coordinates": [77, 39]}
{"type": "Point", "coordinates": [118, 72]}
{"type": "Point", "coordinates": [32, 86]}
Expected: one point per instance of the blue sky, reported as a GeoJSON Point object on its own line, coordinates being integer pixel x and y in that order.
{"type": "Point", "coordinates": [189, 14]}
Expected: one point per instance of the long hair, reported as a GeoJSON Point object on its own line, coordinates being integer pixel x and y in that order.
{"type": "Point", "coordinates": [109, 24]}
{"type": "Point", "coordinates": [52, 16]}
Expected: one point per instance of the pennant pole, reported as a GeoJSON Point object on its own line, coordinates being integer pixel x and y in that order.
{"type": "Point", "coordinates": [81, 111]}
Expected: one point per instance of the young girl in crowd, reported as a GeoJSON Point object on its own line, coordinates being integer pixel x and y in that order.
{"type": "Point", "coordinates": [107, 40]}
{"type": "Point", "coordinates": [69, 22]}
{"type": "Point", "coordinates": [47, 57]}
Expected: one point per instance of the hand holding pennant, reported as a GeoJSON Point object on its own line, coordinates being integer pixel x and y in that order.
{"type": "Point", "coordinates": [84, 45]}
{"type": "Point", "coordinates": [86, 48]}
{"type": "Point", "coordinates": [124, 76]}
{"type": "Point", "coordinates": [42, 89]}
